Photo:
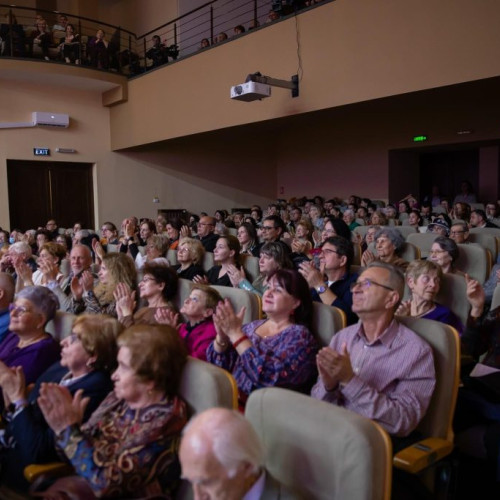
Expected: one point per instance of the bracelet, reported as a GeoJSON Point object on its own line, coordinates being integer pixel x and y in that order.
{"type": "Point", "coordinates": [220, 344]}
{"type": "Point", "coordinates": [239, 341]}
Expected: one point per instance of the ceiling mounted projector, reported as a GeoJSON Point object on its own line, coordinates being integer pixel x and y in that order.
{"type": "Point", "coordinates": [250, 91]}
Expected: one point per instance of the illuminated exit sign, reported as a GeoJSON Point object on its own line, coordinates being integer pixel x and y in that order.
{"type": "Point", "coordinates": [420, 138]}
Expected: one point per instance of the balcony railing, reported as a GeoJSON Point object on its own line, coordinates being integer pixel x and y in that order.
{"type": "Point", "coordinates": [123, 51]}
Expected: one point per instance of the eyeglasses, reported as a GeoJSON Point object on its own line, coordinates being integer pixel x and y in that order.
{"type": "Point", "coordinates": [18, 309]}
{"type": "Point", "coordinates": [367, 283]}
{"type": "Point", "coordinates": [73, 338]}
{"type": "Point", "coordinates": [204, 224]}
{"type": "Point", "coordinates": [146, 279]}
{"type": "Point", "coordinates": [457, 232]}
{"type": "Point", "coordinates": [267, 228]}
{"type": "Point", "coordinates": [327, 251]}
{"type": "Point", "coordinates": [434, 252]}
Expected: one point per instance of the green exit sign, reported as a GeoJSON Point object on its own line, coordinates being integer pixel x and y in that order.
{"type": "Point", "coordinates": [420, 138]}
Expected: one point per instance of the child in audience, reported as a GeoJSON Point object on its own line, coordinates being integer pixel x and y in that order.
{"type": "Point", "coordinates": [198, 331]}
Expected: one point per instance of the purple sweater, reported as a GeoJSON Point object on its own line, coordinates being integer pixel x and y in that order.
{"type": "Point", "coordinates": [34, 358]}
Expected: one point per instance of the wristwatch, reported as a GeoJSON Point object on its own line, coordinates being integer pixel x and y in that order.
{"type": "Point", "coordinates": [321, 289]}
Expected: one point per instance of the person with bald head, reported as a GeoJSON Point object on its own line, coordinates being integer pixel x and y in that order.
{"type": "Point", "coordinates": [378, 368]}
{"type": "Point", "coordinates": [7, 286]}
{"type": "Point", "coordinates": [206, 234]}
{"type": "Point", "coordinates": [222, 457]}
{"type": "Point", "coordinates": [80, 261]}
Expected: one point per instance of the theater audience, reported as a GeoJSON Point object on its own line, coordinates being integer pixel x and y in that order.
{"type": "Point", "coordinates": [226, 254]}
{"type": "Point", "coordinates": [42, 37]}
{"type": "Point", "coordinates": [50, 252]}
{"type": "Point", "coordinates": [173, 228]}
{"type": "Point", "coordinates": [391, 386]}
{"type": "Point", "coordinates": [388, 242]}
{"type": "Point", "coordinates": [190, 254]}
{"type": "Point", "coordinates": [205, 233]}
{"type": "Point", "coordinates": [98, 298]}
{"type": "Point", "coordinates": [157, 289]}
{"type": "Point", "coordinates": [278, 351]}
{"type": "Point", "coordinates": [479, 219]}
{"type": "Point", "coordinates": [98, 50]}
{"type": "Point", "coordinates": [222, 457]}
{"type": "Point", "coordinates": [247, 236]}
{"type": "Point", "coordinates": [155, 251]}
{"type": "Point", "coordinates": [198, 329]}
{"type": "Point", "coordinates": [444, 253]}
{"type": "Point", "coordinates": [88, 357]}
{"type": "Point", "coordinates": [466, 194]}
{"type": "Point", "coordinates": [423, 278]}
{"type": "Point", "coordinates": [128, 447]}
{"type": "Point", "coordinates": [27, 344]}
{"type": "Point", "coordinates": [70, 45]}
{"type": "Point", "coordinates": [459, 232]}
{"type": "Point", "coordinates": [272, 257]}
{"type": "Point", "coordinates": [331, 283]}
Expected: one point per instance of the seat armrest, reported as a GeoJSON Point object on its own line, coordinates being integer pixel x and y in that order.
{"type": "Point", "coordinates": [422, 454]}
{"type": "Point", "coordinates": [53, 469]}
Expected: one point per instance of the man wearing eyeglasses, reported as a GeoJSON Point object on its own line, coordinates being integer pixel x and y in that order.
{"type": "Point", "coordinates": [331, 283]}
{"type": "Point", "coordinates": [271, 230]}
{"type": "Point", "coordinates": [206, 228]}
{"type": "Point", "coordinates": [459, 233]}
{"type": "Point", "coordinates": [378, 368]}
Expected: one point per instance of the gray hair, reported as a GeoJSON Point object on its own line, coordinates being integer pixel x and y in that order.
{"type": "Point", "coordinates": [396, 277]}
{"type": "Point", "coordinates": [393, 235]}
{"type": "Point", "coordinates": [20, 247]}
{"type": "Point", "coordinates": [44, 300]}
{"type": "Point", "coordinates": [232, 438]}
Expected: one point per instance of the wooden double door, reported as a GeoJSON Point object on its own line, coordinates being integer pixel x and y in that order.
{"type": "Point", "coordinates": [43, 190]}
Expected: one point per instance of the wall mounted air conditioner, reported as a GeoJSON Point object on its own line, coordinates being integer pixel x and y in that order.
{"type": "Point", "coordinates": [40, 118]}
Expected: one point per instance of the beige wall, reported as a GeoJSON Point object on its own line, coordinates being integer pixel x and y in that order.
{"type": "Point", "coordinates": [194, 178]}
{"type": "Point", "coordinates": [351, 51]}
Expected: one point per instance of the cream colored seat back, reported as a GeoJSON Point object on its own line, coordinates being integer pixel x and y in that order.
{"type": "Point", "coordinates": [242, 298]}
{"type": "Point", "coordinates": [486, 240]}
{"type": "Point", "coordinates": [445, 344]}
{"type": "Point", "coordinates": [208, 261]}
{"type": "Point", "coordinates": [326, 322]}
{"type": "Point", "coordinates": [60, 327]}
{"type": "Point", "coordinates": [205, 386]}
{"type": "Point", "coordinates": [475, 261]}
{"type": "Point", "coordinates": [423, 241]}
{"type": "Point", "coordinates": [251, 266]}
{"type": "Point", "coordinates": [318, 450]}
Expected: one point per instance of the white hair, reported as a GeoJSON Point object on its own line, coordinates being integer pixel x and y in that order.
{"type": "Point", "coordinates": [230, 436]}
{"type": "Point", "coordinates": [20, 247]}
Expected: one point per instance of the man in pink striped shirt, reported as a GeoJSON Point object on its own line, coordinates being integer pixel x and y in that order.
{"type": "Point", "coordinates": [378, 368]}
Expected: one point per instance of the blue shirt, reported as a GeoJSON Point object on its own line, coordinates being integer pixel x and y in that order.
{"type": "Point", "coordinates": [4, 324]}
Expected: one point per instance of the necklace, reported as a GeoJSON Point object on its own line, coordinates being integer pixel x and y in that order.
{"type": "Point", "coordinates": [22, 344]}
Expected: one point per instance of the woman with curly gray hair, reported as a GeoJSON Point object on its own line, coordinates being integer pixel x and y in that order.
{"type": "Point", "coordinates": [388, 243]}
{"type": "Point", "coordinates": [27, 345]}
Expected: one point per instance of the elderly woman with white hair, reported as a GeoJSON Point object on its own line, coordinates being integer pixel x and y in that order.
{"type": "Point", "coordinates": [388, 243]}
{"type": "Point", "coordinates": [27, 344]}
{"type": "Point", "coordinates": [222, 457]}
{"type": "Point", "coordinates": [18, 253]}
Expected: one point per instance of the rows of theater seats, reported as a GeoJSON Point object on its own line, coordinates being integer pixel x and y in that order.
{"type": "Point", "coordinates": [338, 454]}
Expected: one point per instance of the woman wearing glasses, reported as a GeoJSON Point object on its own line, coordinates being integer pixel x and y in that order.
{"type": "Point", "coordinates": [27, 345]}
{"type": "Point", "coordinates": [157, 289]}
{"type": "Point", "coordinates": [88, 357]}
